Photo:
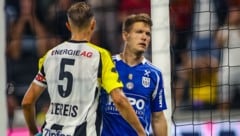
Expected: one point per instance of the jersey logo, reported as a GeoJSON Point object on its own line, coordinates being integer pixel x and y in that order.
{"type": "Point", "coordinates": [146, 81]}
{"type": "Point", "coordinates": [129, 85]}
{"type": "Point", "coordinates": [147, 72]}
{"type": "Point", "coordinates": [71, 52]}
{"type": "Point", "coordinates": [52, 132]}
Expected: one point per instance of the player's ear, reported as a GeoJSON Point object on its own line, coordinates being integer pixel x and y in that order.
{"type": "Point", "coordinates": [68, 26]}
{"type": "Point", "coordinates": [93, 24]}
{"type": "Point", "coordinates": [124, 35]}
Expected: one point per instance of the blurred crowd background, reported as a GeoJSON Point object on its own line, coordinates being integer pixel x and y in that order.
{"type": "Point", "coordinates": [205, 41]}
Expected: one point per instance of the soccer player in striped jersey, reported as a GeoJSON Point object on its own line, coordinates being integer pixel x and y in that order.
{"type": "Point", "coordinates": [73, 72]}
{"type": "Point", "coordinates": [143, 83]}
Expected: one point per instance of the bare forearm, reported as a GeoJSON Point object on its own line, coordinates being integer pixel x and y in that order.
{"type": "Point", "coordinates": [161, 130]}
{"type": "Point", "coordinates": [126, 110]}
{"type": "Point", "coordinates": [29, 114]}
{"type": "Point", "coordinates": [14, 45]}
{"type": "Point", "coordinates": [130, 116]}
{"type": "Point", "coordinates": [28, 105]}
{"type": "Point", "coordinates": [38, 28]}
{"type": "Point", "coordinates": [17, 32]}
{"type": "Point", "coordinates": [41, 35]}
{"type": "Point", "coordinates": [159, 125]}
{"type": "Point", "coordinates": [17, 29]}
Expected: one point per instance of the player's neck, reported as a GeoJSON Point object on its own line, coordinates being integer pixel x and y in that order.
{"type": "Point", "coordinates": [131, 59]}
{"type": "Point", "coordinates": [84, 36]}
{"type": "Point", "coordinates": [80, 38]}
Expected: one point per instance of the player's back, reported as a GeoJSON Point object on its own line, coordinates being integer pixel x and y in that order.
{"type": "Point", "coordinates": [71, 71]}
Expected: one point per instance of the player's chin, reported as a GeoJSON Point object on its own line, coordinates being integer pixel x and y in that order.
{"type": "Point", "coordinates": [142, 49]}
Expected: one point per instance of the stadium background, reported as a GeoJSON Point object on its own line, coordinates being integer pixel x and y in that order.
{"type": "Point", "coordinates": [191, 25]}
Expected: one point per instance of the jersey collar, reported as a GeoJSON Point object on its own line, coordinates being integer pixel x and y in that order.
{"type": "Point", "coordinates": [75, 41]}
{"type": "Point", "coordinates": [118, 58]}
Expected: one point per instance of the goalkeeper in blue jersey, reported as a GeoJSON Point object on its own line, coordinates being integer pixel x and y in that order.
{"type": "Point", "coordinates": [143, 83]}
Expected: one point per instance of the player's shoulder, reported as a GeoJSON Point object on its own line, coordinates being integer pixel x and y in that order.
{"type": "Point", "coordinates": [98, 48]}
{"type": "Point", "coordinates": [151, 66]}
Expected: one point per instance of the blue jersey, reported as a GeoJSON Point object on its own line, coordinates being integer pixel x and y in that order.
{"type": "Point", "coordinates": [143, 85]}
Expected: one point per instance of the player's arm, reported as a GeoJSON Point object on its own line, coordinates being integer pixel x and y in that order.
{"type": "Point", "coordinates": [159, 124]}
{"type": "Point", "coordinates": [28, 105]}
{"type": "Point", "coordinates": [125, 109]}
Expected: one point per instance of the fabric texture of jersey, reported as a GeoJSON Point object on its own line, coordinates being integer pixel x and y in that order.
{"type": "Point", "coordinates": [143, 85]}
{"type": "Point", "coordinates": [73, 73]}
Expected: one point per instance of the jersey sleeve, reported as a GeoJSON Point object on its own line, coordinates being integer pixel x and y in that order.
{"type": "Point", "coordinates": [110, 77]}
{"type": "Point", "coordinates": [158, 98]}
{"type": "Point", "coordinates": [40, 77]}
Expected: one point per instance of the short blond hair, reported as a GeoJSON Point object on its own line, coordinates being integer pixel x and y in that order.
{"type": "Point", "coordinates": [80, 14]}
{"type": "Point", "coordinates": [133, 18]}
